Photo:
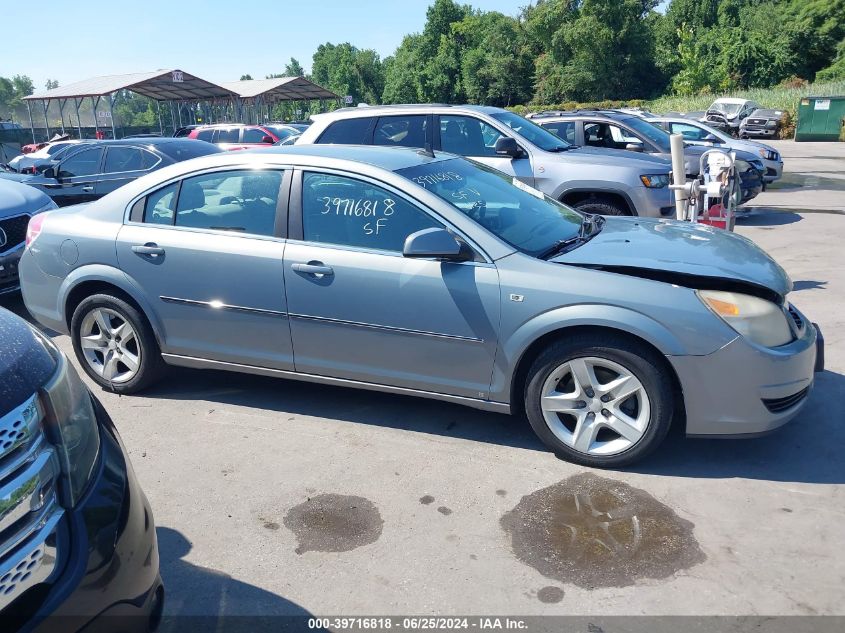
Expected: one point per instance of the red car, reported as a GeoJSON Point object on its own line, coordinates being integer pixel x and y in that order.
{"type": "Point", "coordinates": [230, 136]}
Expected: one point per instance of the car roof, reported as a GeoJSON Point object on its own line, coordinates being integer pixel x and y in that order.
{"type": "Point", "coordinates": [614, 115]}
{"type": "Point", "coordinates": [386, 110]}
{"type": "Point", "coordinates": [390, 158]}
{"type": "Point", "coordinates": [731, 100]}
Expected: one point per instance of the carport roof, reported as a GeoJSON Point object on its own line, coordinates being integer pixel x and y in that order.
{"type": "Point", "coordinates": [161, 85]}
{"type": "Point", "coordinates": [279, 89]}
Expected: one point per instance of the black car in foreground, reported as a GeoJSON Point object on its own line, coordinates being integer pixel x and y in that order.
{"type": "Point", "coordinates": [96, 168]}
{"type": "Point", "coordinates": [78, 546]}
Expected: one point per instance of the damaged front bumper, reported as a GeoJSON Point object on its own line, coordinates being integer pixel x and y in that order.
{"type": "Point", "coordinates": [743, 390]}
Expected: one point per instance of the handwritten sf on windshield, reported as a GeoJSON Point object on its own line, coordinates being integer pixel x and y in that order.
{"type": "Point", "coordinates": [380, 210]}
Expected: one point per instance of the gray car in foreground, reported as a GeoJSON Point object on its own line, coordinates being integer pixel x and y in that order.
{"type": "Point", "coordinates": [425, 274]}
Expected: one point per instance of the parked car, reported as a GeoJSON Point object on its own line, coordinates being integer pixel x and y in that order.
{"type": "Point", "coordinates": [33, 147]}
{"type": "Point", "coordinates": [29, 163]}
{"type": "Point", "coordinates": [283, 131]}
{"type": "Point", "coordinates": [697, 133]}
{"type": "Point", "coordinates": [99, 167]}
{"type": "Point", "coordinates": [185, 130]}
{"type": "Point", "coordinates": [592, 180]}
{"type": "Point", "coordinates": [18, 203]}
{"type": "Point", "coordinates": [727, 113]}
{"type": "Point", "coordinates": [763, 122]}
{"type": "Point", "coordinates": [618, 131]}
{"type": "Point", "coordinates": [426, 274]}
{"type": "Point", "coordinates": [232, 136]}
{"type": "Point", "coordinates": [293, 139]}
{"type": "Point", "coordinates": [77, 537]}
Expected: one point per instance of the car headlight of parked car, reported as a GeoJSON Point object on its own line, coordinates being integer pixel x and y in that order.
{"type": "Point", "coordinates": [768, 154]}
{"type": "Point", "coordinates": [655, 181]}
{"type": "Point", "coordinates": [757, 319]}
{"type": "Point", "coordinates": [71, 425]}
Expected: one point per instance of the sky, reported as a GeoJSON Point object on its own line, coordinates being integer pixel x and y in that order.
{"type": "Point", "coordinates": [218, 41]}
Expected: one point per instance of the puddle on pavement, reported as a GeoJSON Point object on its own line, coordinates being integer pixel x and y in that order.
{"type": "Point", "coordinates": [550, 595]}
{"type": "Point", "coordinates": [597, 532]}
{"type": "Point", "coordinates": [334, 523]}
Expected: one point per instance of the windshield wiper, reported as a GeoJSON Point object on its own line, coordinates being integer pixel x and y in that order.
{"type": "Point", "coordinates": [562, 148]}
{"type": "Point", "coordinates": [590, 227]}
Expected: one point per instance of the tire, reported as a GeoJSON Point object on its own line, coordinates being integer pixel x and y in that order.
{"type": "Point", "coordinates": [601, 205]}
{"type": "Point", "coordinates": [651, 407]}
{"type": "Point", "coordinates": [138, 343]}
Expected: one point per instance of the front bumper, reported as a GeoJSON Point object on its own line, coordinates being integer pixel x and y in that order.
{"type": "Point", "coordinates": [9, 276]}
{"type": "Point", "coordinates": [774, 170]}
{"type": "Point", "coordinates": [744, 389]}
{"type": "Point", "coordinates": [111, 558]}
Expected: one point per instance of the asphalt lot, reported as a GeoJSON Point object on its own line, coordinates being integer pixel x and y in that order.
{"type": "Point", "coordinates": [452, 510]}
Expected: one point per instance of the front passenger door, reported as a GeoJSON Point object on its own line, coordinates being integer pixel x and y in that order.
{"type": "Point", "coordinates": [472, 137]}
{"type": "Point", "coordinates": [76, 177]}
{"type": "Point", "coordinates": [123, 165]}
{"type": "Point", "coordinates": [361, 311]}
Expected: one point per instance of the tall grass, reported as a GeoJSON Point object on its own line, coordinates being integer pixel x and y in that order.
{"type": "Point", "coordinates": [779, 98]}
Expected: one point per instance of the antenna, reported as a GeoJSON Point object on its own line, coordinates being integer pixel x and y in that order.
{"type": "Point", "coordinates": [427, 151]}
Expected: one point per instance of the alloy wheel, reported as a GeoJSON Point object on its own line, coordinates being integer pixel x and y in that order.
{"type": "Point", "coordinates": [110, 345]}
{"type": "Point", "coordinates": [595, 406]}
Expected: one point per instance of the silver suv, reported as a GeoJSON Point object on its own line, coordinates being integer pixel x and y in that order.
{"type": "Point", "coordinates": [588, 179]}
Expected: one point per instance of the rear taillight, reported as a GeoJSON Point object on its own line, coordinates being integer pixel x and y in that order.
{"type": "Point", "coordinates": [33, 229]}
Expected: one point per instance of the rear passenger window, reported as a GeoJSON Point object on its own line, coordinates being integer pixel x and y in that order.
{"type": "Point", "coordinates": [160, 205]}
{"type": "Point", "coordinates": [254, 135]}
{"type": "Point", "coordinates": [405, 131]}
{"type": "Point", "coordinates": [120, 159]}
{"type": "Point", "coordinates": [239, 201]}
{"type": "Point", "coordinates": [227, 135]}
{"type": "Point", "coordinates": [349, 212]}
{"type": "Point", "coordinates": [205, 135]}
{"type": "Point", "coordinates": [347, 132]}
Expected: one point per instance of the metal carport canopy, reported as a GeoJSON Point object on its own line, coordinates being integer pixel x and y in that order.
{"type": "Point", "coordinates": [161, 85]}
{"type": "Point", "coordinates": [279, 89]}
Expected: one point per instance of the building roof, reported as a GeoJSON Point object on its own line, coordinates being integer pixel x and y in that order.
{"type": "Point", "coordinates": [161, 85]}
{"type": "Point", "coordinates": [279, 89]}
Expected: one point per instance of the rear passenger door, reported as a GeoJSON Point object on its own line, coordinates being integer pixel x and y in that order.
{"type": "Point", "coordinates": [123, 165]}
{"type": "Point", "coordinates": [207, 251]}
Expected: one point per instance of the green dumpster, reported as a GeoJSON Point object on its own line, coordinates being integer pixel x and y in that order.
{"type": "Point", "coordinates": [820, 118]}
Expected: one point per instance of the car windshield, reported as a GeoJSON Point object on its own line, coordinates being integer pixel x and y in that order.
{"type": "Point", "coordinates": [727, 108]}
{"type": "Point", "coordinates": [518, 214]}
{"type": "Point", "coordinates": [281, 131]}
{"type": "Point", "coordinates": [651, 132]}
{"type": "Point", "coordinates": [532, 132]}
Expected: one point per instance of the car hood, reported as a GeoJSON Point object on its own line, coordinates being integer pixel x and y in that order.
{"type": "Point", "coordinates": [602, 156]}
{"type": "Point", "coordinates": [8, 175]}
{"type": "Point", "coordinates": [685, 254]}
{"type": "Point", "coordinates": [16, 198]}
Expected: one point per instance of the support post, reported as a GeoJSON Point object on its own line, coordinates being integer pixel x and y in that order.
{"type": "Point", "coordinates": [111, 116]}
{"type": "Point", "coordinates": [62, 103]}
{"type": "Point", "coordinates": [158, 110]}
{"type": "Point", "coordinates": [31, 124]}
{"type": "Point", "coordinates": [45, 104]}
{"type": "Point", "coordinates": [94, 112]}
{"type": "Point", "coordinates": [78, 120]}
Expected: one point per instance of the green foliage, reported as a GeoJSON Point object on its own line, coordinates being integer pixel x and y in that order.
{"type": "Point", "coordinates": [294, 69]}
{"type": "Point", "coordinates": [12, 92]}
{"type": "Point", "coordinates": [347, 70]}
{"type": "Point", "coordinates": [246, 77]}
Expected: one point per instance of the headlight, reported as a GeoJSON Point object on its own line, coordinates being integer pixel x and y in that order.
{"type": "Point", "coordinates": [761, 321]}
{"type": "Point", "coordinates": [655, 181]}
{"type": "Point", "coordinates": [767, 154]}
{"type": "Point", "coordinates": [72, 427]}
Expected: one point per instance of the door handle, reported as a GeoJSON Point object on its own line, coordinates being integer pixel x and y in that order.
{"type": "Point", "coordinates": [88, 188]}
{"type": "Point", "coordinates": [313, 268]}
{"type": "Point", "coordinates": [150, 249]}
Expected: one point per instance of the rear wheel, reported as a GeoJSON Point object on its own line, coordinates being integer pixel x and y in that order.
{"type": "Point", "coordinates": [601, 205]}
{"type": "Point", "coordinates": [115, 344]}
{"type": "Point", "coordinates": [599, 400]}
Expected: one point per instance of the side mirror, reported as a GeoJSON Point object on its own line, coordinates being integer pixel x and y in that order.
{"type": "Point", "coordinates": [436, 244]}
{"type": "Point", "coordinates": [507, 146]}
{"type": "Point", "coordinates": [634, 147]}
{"type": "Point", "coordinates": [50, 172]}
{"type": "Point", "coordinates": [267, 139]}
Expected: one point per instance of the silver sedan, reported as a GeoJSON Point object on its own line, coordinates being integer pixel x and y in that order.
{"type": "Point", "coordinates": [400, 270]}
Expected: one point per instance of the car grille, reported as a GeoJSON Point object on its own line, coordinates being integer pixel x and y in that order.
{"type": "Point", "coordinates": [15, 231]}
{"type": "Point", "coordinates": [30, 514]}
{"type": "Point", "coordinates": [757, 121]}
{"type": "Point", "coordinates": [771, 171]}
{"type": "Point", "coordinates": [779, 405]}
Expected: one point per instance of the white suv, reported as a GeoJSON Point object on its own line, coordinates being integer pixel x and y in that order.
{"type": "Point", "coordinates": [594, 180]}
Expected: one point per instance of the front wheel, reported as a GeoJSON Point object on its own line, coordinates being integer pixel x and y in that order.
{"type": "Point", "coordinates": [115, 344]}
{"type": "Point", "coordinates": [599, 400]}
{"type": "Point", "coordinates": [600, 205]}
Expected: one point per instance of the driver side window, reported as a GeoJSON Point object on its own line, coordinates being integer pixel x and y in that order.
{"type": "Point", "coordinates": [84, 163]}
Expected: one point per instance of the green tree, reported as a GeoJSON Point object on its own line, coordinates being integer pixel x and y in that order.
{"type": "Point", "coordinates": [401, 72]}
{"type": "Point", "coordinates": [347, 70]}
{"type": "Point", "coordinates": [51, 84]}
{"type": "Point", "coordinates": [294, 68]}
{"type": "Point", "coordinates": [246, 77]}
